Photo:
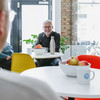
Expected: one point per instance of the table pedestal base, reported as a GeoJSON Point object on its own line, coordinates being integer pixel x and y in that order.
{"type": "Point", "coordinates": [69, 98]}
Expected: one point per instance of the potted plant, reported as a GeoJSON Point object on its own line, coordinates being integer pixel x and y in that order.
{"type": "Point", "coordinates": [63, 44]}
{"type": "Point", "coordinates": [31, 41]}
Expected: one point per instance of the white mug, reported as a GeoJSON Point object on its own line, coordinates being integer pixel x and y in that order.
{"type": "Point", "coordinates": [29, 50]}
{"type": "Point", "coordinates": [84, 75]}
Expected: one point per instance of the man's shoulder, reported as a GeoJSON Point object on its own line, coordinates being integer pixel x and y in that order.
{"type": "Point", "coordinates": [7, 45]}
{"type": "Point", "coordinates": [34, 87]}
{"type": "Point", "coordinates": [20, 80]}
{"type": "Point", "coordinates": [41, 34]}
{"type": "Point", "coordinates": [55, 33]}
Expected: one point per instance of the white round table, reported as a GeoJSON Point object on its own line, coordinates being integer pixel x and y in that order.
{"type": "Point", "coordinates": [66, 86]}
{"type": "Point", "coordinates": [46, 55]}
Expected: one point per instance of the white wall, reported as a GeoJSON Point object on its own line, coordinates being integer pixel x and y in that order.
{"type": "Point", "coordinates": [56, 15]}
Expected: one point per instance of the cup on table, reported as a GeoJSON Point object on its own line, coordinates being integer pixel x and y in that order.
{"type": "Point", "coordinates": [29, 50]}
{"type": "Point", "coordinates": [85, 75]}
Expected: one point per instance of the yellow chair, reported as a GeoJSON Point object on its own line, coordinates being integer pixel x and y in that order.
{"type": "Point", "coordinates": [21, 62]}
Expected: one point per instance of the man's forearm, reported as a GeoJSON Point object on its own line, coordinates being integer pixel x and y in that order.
{"type": "Point", "coordinates": [3, 56]}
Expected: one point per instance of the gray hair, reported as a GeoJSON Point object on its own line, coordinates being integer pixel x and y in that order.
{"type": "Point", "coordinates": [47, 21]}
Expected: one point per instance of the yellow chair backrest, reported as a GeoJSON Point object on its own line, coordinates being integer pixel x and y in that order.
{"type": "Point", "coordinates": [21, 62]}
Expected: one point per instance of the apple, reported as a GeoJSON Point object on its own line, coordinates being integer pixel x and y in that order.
{"type": "Point", "coordinates": [72, 61]}
{"type": "Point", "coordinates": [38, 46]}
{"type": "Point", "coordinates": [83, 63]}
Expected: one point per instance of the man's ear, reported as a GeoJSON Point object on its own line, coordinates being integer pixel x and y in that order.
{"type": "Point", "coordinates": [1, 21]}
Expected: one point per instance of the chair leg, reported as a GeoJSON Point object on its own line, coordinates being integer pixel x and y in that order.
{"type": "Point", "coordinates": [69, 98]}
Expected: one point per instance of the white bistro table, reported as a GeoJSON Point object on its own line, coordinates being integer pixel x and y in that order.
{"type": "Point", "coordinates": [64, 85]}
{"type": "Point", "coordinates": [46, 56]}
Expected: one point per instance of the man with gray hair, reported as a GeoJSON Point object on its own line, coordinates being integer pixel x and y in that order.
{"type": "Point", "coordinates": [44, 39]}
{"type": "Point", "coordinates": [12, 85]}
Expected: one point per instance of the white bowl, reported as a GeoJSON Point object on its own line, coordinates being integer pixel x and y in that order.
{"type": "Point", "coordinates": [40, 51]}
{"type": "Point", "coordinates": [70, 70]}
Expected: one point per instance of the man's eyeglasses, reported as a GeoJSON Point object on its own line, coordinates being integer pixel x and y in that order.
{"type": "Point", "coordinates": [47, 26]}
{"type": "Point", "coordinates": [12, 15]}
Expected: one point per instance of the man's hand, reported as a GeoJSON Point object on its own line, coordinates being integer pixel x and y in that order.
{"type": "Point", "coordinates": [8, 58]}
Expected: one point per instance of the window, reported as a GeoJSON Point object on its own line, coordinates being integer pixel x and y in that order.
{"type": "Point", "coordinates": [32, 24]}
{"type": "Point", "coordinates": [88, 31]}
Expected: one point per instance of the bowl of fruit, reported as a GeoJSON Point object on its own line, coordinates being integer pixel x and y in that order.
{"type": "Point", "coordinates": [39, 50]}
{"type": "Point", "coordinates": [69, 67]}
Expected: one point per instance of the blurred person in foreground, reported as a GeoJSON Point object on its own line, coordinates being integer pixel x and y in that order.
{"type": "Point", "coordinates": [44, 39]}
{"type": "Point", "coordinates": [6, 57]}
{"type": "Point", "coordinates": [12, 85]}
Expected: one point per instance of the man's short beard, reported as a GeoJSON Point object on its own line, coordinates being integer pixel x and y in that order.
{"type": "Point", "coordinates": [47, 34]}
